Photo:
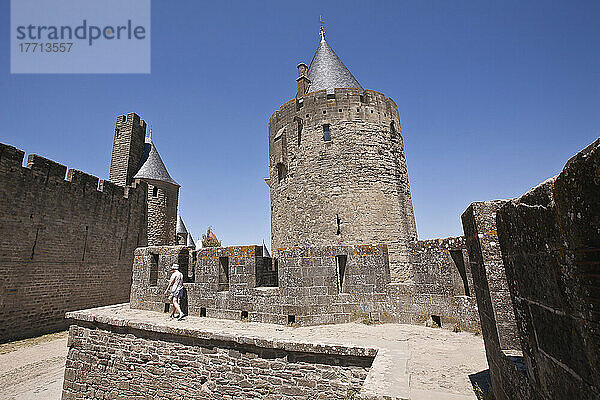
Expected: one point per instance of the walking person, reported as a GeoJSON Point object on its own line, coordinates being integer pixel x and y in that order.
{"type": "Point", "coordinates": [176, 290]}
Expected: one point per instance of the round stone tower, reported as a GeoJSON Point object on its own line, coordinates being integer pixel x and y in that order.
{"type": "Point", "coordinates": [337, 166]}
{"type": "Point", "coordinates": [163, 196]}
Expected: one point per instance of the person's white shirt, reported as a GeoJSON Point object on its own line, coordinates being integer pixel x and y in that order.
{"type": "Point", "coordinates": [176, 281]}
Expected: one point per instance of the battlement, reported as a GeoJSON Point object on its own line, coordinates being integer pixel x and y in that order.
{"type": "Point", "coordinates": [80, 230]}
{"type": "Point", "coordinates": [132, 119]}
{"type": "Point", "coordinates": [346, 99]}
{"type": "Point", "coordinates": [38, 167]}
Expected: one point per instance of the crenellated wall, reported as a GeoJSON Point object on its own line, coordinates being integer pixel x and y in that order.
{"type": "Point", "coordinates": [351, 189]}
{"type": "Point", "coordinates": [314, 285]}
{"type": "Point", "coordinates": [64, 244]}
{"type": "Point", "coordinates": [550, 241]}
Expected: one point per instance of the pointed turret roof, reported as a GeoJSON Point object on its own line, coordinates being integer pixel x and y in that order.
{"type": "Point", "coordinates": [328, 72]}
{"type": "Point", "coordinates": [152, 167]}
{"type": "Point", "coordinates": [180, 229]}
{"type": "Point", "coordinates": [190, 241]}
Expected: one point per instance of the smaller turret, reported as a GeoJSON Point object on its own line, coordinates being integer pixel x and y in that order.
{"type": "Point", "coordinates": [163, 197]}
{"type": "Point", "coordinates": [181, 231]}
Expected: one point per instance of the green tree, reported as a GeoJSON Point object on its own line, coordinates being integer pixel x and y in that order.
{"type": "Point", "coordinates": [209, 239]}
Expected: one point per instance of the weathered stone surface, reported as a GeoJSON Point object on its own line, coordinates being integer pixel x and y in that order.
{"type": "Point", "coordinates": [309, 288]}
{"type": "Point", "coordinates": [493, 299]}
{"type": "Point", "coordinates": [550, 240]}
{"type": "Point", "coordinates": [129, 151]}
{"type": "Point", "coordinates": [64, 244]}
{"type": "Point", "coordinates": [351, 189]}
{"type": "Point", "coordinates": [125, 348]}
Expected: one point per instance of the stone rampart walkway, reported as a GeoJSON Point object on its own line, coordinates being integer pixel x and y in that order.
{"type": "Point", "coordinates": [412, 362]}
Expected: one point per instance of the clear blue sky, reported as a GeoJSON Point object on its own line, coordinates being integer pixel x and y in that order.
{"type": "Point", "coordinates": [494, 97]}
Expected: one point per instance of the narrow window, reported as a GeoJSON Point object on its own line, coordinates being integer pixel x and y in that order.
{"type": "Point", "coordinates": [223, 274]}
{"type": "Point", "coordinates": [340, 264]}
{"type": "Point", "coordinates": [203, 311]}
{"type": "Point", "coordinates": [291, 319]}
{"type": "Point", "coordinates": [392, 127]}
{"type": "Point", "coordinates": [154, 191]}
{"type": "Point", "coordinates": [339, 223]}
{"type": "Point", "coordinates": [299, 132]}
{"type": "Point", "coordinates": [244, 316]}
{"type": "Point", "coordinates": [281, 172]}
{"type": "Point", "coordinates": [437, 321]}
{"type": "Point", "coordinates": [326, 133]}
{"type": "Point", "coordinates": [183, 259]}
{"type": "Point", "coordinates": [154, 270]}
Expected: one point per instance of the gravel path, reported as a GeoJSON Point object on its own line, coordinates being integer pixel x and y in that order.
{"type": "Point", "coordinates": [33, 370]}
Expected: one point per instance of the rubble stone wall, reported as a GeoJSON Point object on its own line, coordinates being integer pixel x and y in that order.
{"type": "Point", "coordinates": [351, 189]}
{"type": "Point", "coordinates": [108, 362]}
{"type": "Point", "coordinates": [64, 244]}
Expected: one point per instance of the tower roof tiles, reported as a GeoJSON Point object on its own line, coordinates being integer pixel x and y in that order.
{"type": "Point", "coordinates": [328, 72]}
{"type": "Point", "coordinates": [153, 169]}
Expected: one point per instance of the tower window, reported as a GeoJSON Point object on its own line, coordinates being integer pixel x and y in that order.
{"type": "Point", "coordinates": [281, 172]}
{"type": "Point", "coordinates": [154, 191]}
{"type": "Point", "coordinates": [324, 112]}
{"type": "Point", "coordinates": [153, 270]}
{"type": "Point", "coordinates": [392, 127]}
{"type": "Point", "coordinates": [326, 133]}
{"type": "Point", "coordinates": [340, 263]}
{"type": "Point", "coordinates": [299, 132]}
{"type": "Point", "coordinates": [339, 223]}
{"type": "Point", "coordinates": [223, 274]}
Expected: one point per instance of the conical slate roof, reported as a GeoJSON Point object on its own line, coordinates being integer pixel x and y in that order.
{"type": "Point", "coordinates": [180, 229]}
{"type": "Point", "coordinates": [190, 241]}
{"type": "Point", "coordinates": [328, 72]}
{"type": "Point", "coordinates": [265, 251]}
{"type": "Point", "coordinates": [153, 168]}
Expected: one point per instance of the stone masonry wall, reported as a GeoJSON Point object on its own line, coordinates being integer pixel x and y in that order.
{"type": "Point", "coordinates": [350, 190]}
{"type": "Point", "coordinates": [550, 241]}
{"type": "Point", "coordinates": [443, 283]}
{"type": "Point", "coordinates": [493, 301]}
{"type": "Point", "coordinates": [479, 225]}
{"type": "Point", "coordinates": [128, 148]}
{"type": "Point", "coordinates": [64, 244]}
{"type": "Point", "coordinates": [162, 214]}
{"type": "Point", "coordinates": [105, 362]}
{"type": "Point", "coordinates": [311, 288]}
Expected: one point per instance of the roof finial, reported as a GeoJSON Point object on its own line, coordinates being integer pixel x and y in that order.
{"type": "Point", "coordinates": [322, 31]}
